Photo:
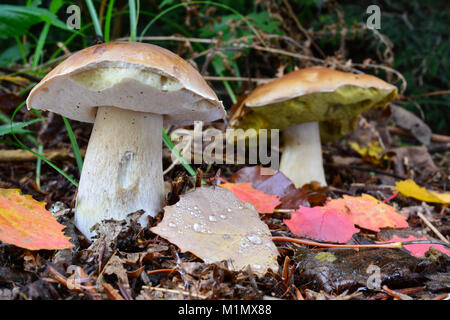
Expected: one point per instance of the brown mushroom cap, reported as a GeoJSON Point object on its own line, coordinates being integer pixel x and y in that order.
{"type": "Point", "coordinates": [60, 91]}
{"type": "Point", "coordinates": [331, 97]}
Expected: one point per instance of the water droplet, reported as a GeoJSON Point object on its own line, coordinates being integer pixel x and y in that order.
{"type": "Point", "coordinates": [241, 207]}
{"type": "Point", "coordinates": [212, 218]}
{"type": "Point", "coordinates": [257, 266]}
{"type": "Point", "coordinates": [197, 227]}
{"type": "Point", "coordinates": [172, 225]}
{"type": "Point", "coordinates": [178, 204]}
{"type": "Point", "coordinates": [195, 208]}
{"type": "Point", "coordinates": [254, 239]}
{"type": "Point", "coordinates": [229, 210]}
{"type": "Point", "coordinates": [222, 216]}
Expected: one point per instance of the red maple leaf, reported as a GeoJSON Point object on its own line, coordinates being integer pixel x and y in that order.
{"type": "Point", "coordinates": [321, 223]}
{"type": "Point", "coordinates": [369, 213]}
{"type": "Point", "coordinates": [263, 203]}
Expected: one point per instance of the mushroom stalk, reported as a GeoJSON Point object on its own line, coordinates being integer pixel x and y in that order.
{"type": "Point", "coordinates": [122, 170]}
{"type": "Point", "coordinates": [301, 160]}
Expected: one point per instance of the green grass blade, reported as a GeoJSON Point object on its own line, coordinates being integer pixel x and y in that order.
{"type": "Point", "coordinates": [40, 45]}
{"type": "Point", "coordinates": [38, 166]}
{"type": "Point", "coordinates": [177, 153]}
{"type": "Point", "coordinates": [94, 17]}
{"type": "Point", "coordinates": [75, 147]}
{"type": "Point", "coordinates": [21, 145]}
{"type": "Point", "coordinates": [6, 128]}
{"type": "Point", "coordinates": [108, 19]}
{"type": "Point", "coordinates": [132, 8]}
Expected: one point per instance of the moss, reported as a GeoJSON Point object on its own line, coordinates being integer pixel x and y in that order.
{"type": "Point", "coordinates": [336, 111]}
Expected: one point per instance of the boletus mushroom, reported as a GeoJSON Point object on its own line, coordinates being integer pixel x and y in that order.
{"type": "Point", "coordinates": [129, 90]}
{"type": "Point", "coordinates": [308, 104]}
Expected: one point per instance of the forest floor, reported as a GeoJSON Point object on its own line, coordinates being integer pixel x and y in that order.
{"type": "Point", "coordinates": [130, 262]}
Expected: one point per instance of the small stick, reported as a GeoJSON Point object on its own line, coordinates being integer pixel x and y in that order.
{"type": "Point", "coordinates": [112, 293]}
{"type": "Point", "coordinates": [184, 293]}
{"type": "Point", "coordinates": [397, 295]}
{"type": "Point", "coordinates": [434, 137]}
{"type": "Point", "coordinates": [169, 271]}
{"type": "Point", "coordinates": [390, 245]}
{"type": "Point", "coordinates": [284, 276]}
{"type": "Point", "coordinates": [443, 296]}
{"type": "Point", "coordinates": [391, 197]}
{"type": "Point", "coordinates": [430, 225]}
{"type": "Point", "coordinates": [73, 286]}
{"type": "Point", "coordinates": [382, 295]}
{"type": "Point", "coordinates": [20, 155]}
{"type": "Point", "coordinates": [298, 293]}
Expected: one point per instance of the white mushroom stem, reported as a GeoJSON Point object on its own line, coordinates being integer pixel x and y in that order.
{"type": "Point", "coordinates": [301, 160]}
{"type": "Point", "coordinates": [122, 170]}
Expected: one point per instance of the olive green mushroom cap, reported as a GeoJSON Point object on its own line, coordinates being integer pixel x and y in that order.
{"type": "Point", "coordinates": [333, 98]}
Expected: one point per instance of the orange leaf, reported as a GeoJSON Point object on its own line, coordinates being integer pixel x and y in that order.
{"type": "Point", "coordinates": [369, 213]}
{"type": "Point", "coordinates": [263, 203]}
{"type": "Point", "coordinates": [24, 222]}
{"type": "Point", "coordinates": [322, 223]}
{"type": "Point", "coordinates": [418, 250]}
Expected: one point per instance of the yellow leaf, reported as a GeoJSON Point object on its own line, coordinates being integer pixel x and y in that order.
{"type": "Point", "coordinates": [410, 189]}
{"type": "Point", "coordinates": [372, 153]}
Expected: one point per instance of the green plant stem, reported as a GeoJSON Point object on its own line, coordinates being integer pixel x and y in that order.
{"type": "Point", "coordinates": [22, 50]}
{"type": "Point", "coordinates": [177, 153]}
{"type": "Point", "coordinates": [38, 166]}
{"type": "Point", "coordinates": [94, 17]}
{"type": "Point", "coordinates": [132, 8]}
{"type": "Point", "coordinates": [108, 20]}
{"type": "Point", "coordinates": [21, 145]}
{"type": "Point", "coordinates": [75, 147]}
{"type": "Point", "coordinates": [40, 45]}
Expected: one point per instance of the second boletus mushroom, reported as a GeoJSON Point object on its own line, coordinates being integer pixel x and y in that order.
{"type": "Point", "coordinates": [308, 104]}
{"type": "Point", "coordinates": [129, 90]}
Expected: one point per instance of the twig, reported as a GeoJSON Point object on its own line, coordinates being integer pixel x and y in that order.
{"type": "Point", "coordinates": [391, 245]}
{"type": "Point", "coordinates": [397, 295]}
{"type": "Point", "coordinates": [428, 94]}
{"type": "Point", "coordinates": [184, 293]}
{"type": "Point", "coordinates": [73, 286]}
{"type": "Point", "coordinates": [391, 197]}
{"type": "Point", "coordinates": [302, 29]}
{"type": "Point", "coordinates": [20, 155]}
{"type": "Point", "coordinates": [158, 271]}
{"type": "Point", "coordinates": [434, 137]}
{"type": "Point", "coordinates": [443, 296]}
{"type": "Point", "coordinates": [430, 225]}
{"type": "Point", "coordinates": [381, 295]}
{"type": "Point", "coordinates": [112, 293]}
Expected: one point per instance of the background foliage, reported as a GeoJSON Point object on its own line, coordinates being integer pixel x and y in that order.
{"type": "Point", "coordinates": [413, 40]}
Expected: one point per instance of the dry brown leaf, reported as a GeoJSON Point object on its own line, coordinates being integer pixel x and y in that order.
{"type": "Point", "coordinates": [213, 224]}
